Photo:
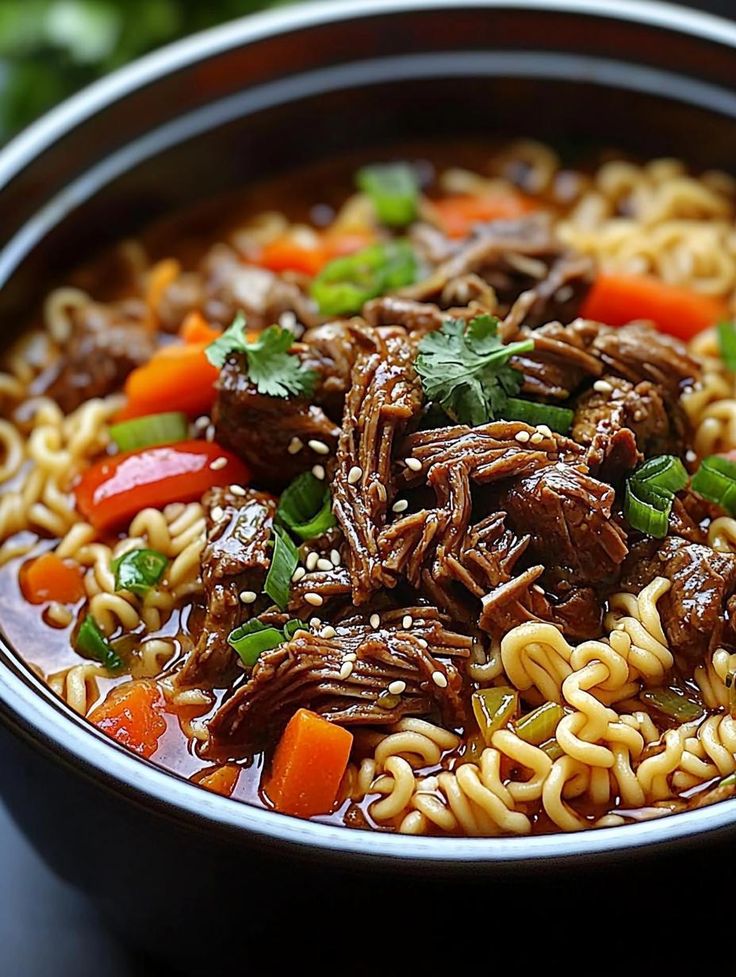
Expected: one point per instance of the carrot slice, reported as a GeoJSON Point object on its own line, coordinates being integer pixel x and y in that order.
{"type": "Point", "coordinates": [458, 214]}
{"type": "Point", "coordinates": [196, 329]}
{"type": "Point", "coordinates": [618, 299]}
{"type": "Point", "coordinates": [287, 254]}
{"type": "Point", "coordinates": [51, 578]}
{"type": "Point", "coordinates": [176, 378]}
{"type": "Point", "coordinates": [308, 765]}
{"type": "Point", "coordinates": [132, 715]}
{"type": "Point", "coordinates": [221, 780]}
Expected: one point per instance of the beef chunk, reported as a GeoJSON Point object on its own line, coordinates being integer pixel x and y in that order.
{"type": "Point", "coordinates": [560, 361]}
{"type": "Point", "coordinates": [696, 612]}
{"type": "Point", "coordinates": [236, 558]}
{"type": "Point", "coordinates": [637, 352]}
{"type": "Point", "coordinates": [567, 514]}
{"type": "Point", "coordinates": [107, 342]}
{"type": "Point", "coordinates": [311, 671]}
{"type": "Point", "coordinates": [265, 430]}
{"type": "Point", "coordinates": [384, 397]}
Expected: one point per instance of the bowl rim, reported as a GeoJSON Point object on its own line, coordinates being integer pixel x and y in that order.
{"type": "Point", "coordinates": [38, 716]}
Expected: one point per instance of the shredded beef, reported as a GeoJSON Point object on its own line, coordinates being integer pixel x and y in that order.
{"type": "Point", "coordinates": [236, 558]}
{"type": "Point", "coordinates": [637, 352]}
{"type": "Point", "coordinates": [310, 671]}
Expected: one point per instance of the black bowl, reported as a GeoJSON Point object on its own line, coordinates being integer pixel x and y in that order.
{"type": "Point", "coordinates": [206, 115]}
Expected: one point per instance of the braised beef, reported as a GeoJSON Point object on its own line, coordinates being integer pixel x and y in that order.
{"type": "Point", "coordinates": [637, 352]}
{"type": "Point", "coordinates": [235, 559]}
{"type": "Point", "coordinates": [315, 672]}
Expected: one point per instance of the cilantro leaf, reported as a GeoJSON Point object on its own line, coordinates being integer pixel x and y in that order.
{"type": "Point", "coordinates": [466, 370]}
{"type": "Point", "coordinates": [273, 370]}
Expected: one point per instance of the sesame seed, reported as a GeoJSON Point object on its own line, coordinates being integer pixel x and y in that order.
{"type": "Point", "coordinates": [522, 436]}
{"type": "Point", "coordinates": [439, 679]}
{"type": "Point", "coordinates": [350, 657]}
{"type": "Point", "coordinates": [413, 463]}
{"type": "Point", "coordinates": [355, 474]}
{"type": "Point", "coordinates": [346, 670]}
{"type": "Point", "coordinates": [603, 386]}
{"type": "Point", "coordinates": [314, 599]}
{"type": "Point", "coordinates": [311, 561]}
{"type": "Point", "coordinates": [202, 423]}
{"type": "Point", "coordinates": [298, 574]}
{"type": "Point", "coordinates": [543, 429]}
{"type": "Point", "coordinates": [375, 620]}
{"type": "Point", "coordinates": [319, 472]}
{"type": "Point", "coordinates": [537, 438]}
{"type": "Point", "coordinates": [323, 564]}
{"type": "Point", "coordinates": [397, 687]}
{"type": "Point", "coordinates": [423, 643]}
{"type": "Point", "coordinates": [315, 622]}
{"type": "Point", "coordinates": [301, 633]}
{"type": "Point", "coordinates": [407, 621]}
{"type": "Point", "coordinates": [248, 596]}
{"type": "Point", "coordinates": [218, 463]}
{"type": "Point", "coordinates": [217, 513]}
{"type": "Point", "coordinates": [400, 506]}
{"type": "Point", "coordinates": [328, 632]}
{"type": "Point", "coordinates": [319, 446]}
{"type": "Point", "coordinates": [237, 490]}
{"type": "Point", "coordinates": [380, 490]}
{"type": "Point", "coordinates": [209, 434]}
{"type": "Point", "coordinates": [295, 445]}
{"type": "Point", "coordinates": [335, 558]}
{"type": "Point", "coordinates": [690, 455]}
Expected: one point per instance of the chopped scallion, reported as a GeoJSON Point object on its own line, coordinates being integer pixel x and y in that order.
{"type": "Point", "coordinates": [716, 480]}
{"type": "Point", "coordinates": [394, 191]}
{"type": "Point", "coordinates": [346, 283]}
{"type": "Point", "coordinates": [139, 570]}
{"type": "Point", "coordinates": [727, 344]}
{"type": "Point", "coordinates": [665, 473]}
{"type": "Point", "coordinates": [540, 724]}
{"type": "Point", "coordinates": [493, 709]}
{"type": "Point", "coordinates": [676, 705]}
{"type": "Point", "coordinates": [649, 494]}
{"type": "Point", "coordinates": [92, 643]}
{"type": "Point", "coordinates": [146, 432]}
{"type": "Point", "coordinates": [556, 418]}
{"type": "Point", "coordinates": [283, 565]}
{"type": "Point", "coordinates": [252, 638]}
{"type": "Point", "coordinates": [305, 506]}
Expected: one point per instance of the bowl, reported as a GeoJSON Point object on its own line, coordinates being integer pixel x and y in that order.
{"type": "Point", "coordinates": [258, 96]}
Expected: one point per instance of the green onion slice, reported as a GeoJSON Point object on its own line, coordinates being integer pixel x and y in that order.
{"type": "Point", "coordinates": [665, 474]}
{"type": "Point", "coordinates": [305, 506]}
{"type": "Point", "coordinates": [138, 570]}
{"type": "Point", "coordinates": [646, 509]}
{"type": "Point", "coordinates": [252, 638]}
{"type": "Point", "coordinates": [558, 419]}
{"type": "Point", "coordinates": [145, 432]}
{"type": "Point", "coordinates": [674, 704]}
{"type": "Point", "coordinates": [494, 708]}
{"type": "Point", "coordinates": [727, 343]}
{"type": "Point", "coordinates": [539, 725]}
{"type": "Point", "coordinates": [716, 480]}
{"type": "Point", "coordinates": [345, 284]}
{"type": "Point", "coordinates": [394, 191]}
{"type": "Point", "coordinates": [92, 643]}
{"type": "Point", "coordinates": [283, 565]}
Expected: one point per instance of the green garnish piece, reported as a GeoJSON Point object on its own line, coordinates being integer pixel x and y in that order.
{"type": "Point", "coordinates": [494, 708]}
{"type": "Point", "coordinates": [557, 419]}
{"type": "Point", "coordinates": [674, 704]}
{"type": "Point", "coordinates": [305, 507]}
{"type": "Point", "coordinates": [254, 637]}
{"type": "Point", "coordinates": [345, 284]}
{"type": "Point", "coordinates": [540, 724]}
{"type": "Point", "coordinates": [283, 565]}
{"type": "Point", "coordinates": [273, 370]}
{"type": "Point", "coordinates": [650, 492]}
{"type": "Point", "coordinates": [394, 191]}
{"type": "Point", "coordinates": [727, 344]}
{"type": "Point", "coordinates": [146, 432]}
{"type": "Point", "coordinates": [716, 480]}
{"type": "Point", "coordinates": [665, 473]}
{"type": "Point", "coordinates": [138, 570]}
{"type": "Point", "coordinates": [466, 370]}
{"type": "Point", "coordinates": [92, 643]}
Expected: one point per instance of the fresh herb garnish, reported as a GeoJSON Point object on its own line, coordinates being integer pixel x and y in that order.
{"type": "Point", "coordinates": [283, 565]}
{"type": "Point", "coordinates": [305, 506]}
{"type": "Point", "coordinates": [254, 637]}
{"type": "Point", "coordinates": [345, 284]}
{"type": "Point", "coordinates": [466, 369]}
{"type": "Point", "coordinates": [92, 643]}
{"type": "Point", "coordinates": [650, 492]}
{"type": "Point", "coordinates": [727, 344]}
{"type": "Point", "coordinates": [716, 480]}
{"type": "Point", "coordinates": [393, 189]}
{"type": "Point", "coordinates": [273, 370]}
{"type": "Point", "coordinates": [138, 570]}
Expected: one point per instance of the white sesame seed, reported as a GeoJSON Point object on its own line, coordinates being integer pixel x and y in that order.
{"type": "Point", "coordinates": [311, 561]}
{"type": "Point", "coordinates": [690, 455]}
{"type": "Point", "coordinates": [603, 386]}
{"type": "Point", "coordinates": [407, 621]}
{"type": "Point", "coordinates": [328, 632]}
{"type": "Point", "coordinates": [380, 490]}
{"type": "Point", "coordinates": [522, 436]}
{"type": "Point", "coordinates": [248, 596]}
{"type": "Point", "coordinates": [301, 633]}
{"type": "Point", "coordinates": [543, 429]}
{"type": "Point", "coordinates": [335, 558]}
{"type": "Point", "coordinates": [537, 438]}
{"type": "Point", "coordinates": [346, 670]}
{"type": "Point", "coordinates": [209, 434]}
{"type": "Point", "coordinates": [319, 446]}
{"type": "Point", "coordinates": [314, 599]}
{"type": "Point", "coordinates": [218, 463]}
{"type": "Point", "coordinates": [217, 513]}
{"type": "Point", "coordinates": [401, 505]}
{"type": "Point", "coordinates": [413, 463]}
{"type": "Point", "coordinates": [350, 657]}
{"type": "Point", "coordinates": [237, 490]}
{"type": "Point", "coordinates": [355, 474]}
{"type": "Point", "coordinates": [298, 574]}
{"type": "Point", "coordinates": [439, 679]}
{"type": "Point", "coordinates": [319, 472]}
{"type": "Point", "coordinates": [202, 423]}
{"type": "Point", "coordinates": [423, 643]}
{"type": "Point", "coordinates": [375, 620]}
{"type": "Point", "coordinates": [295, 445]}
{"type": "Point", "coordinates": [324, 565]}
{"type": "Point", "coordinates": [397, 687]}
{"type": "Point", "coordinates": [315, 622]}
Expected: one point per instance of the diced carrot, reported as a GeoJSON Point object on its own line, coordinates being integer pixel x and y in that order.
{"type": "Point", "coordinates": [51, 578]}
{"type": "Point", "coordinates": [287, 254]}
{"type": "Point", "coordinates": [459, 214]}
{"type": "Point", "coordinates": [132, 715]}
{"type": "Point", "coordinates": [113, 490]}
{"type": "Point", "coordinates": [160, 277]}
{"type": "Point", "coordinates": [618, 299]}
{"type": "Point", "coordinates": [196, 329]}
{"type": "Point", "coordinates": [339, 243]}
{"type": "Point", "coordinates": [308, 765]}
{"type": "Point", "coordinates": [176, 378]}
{"type": "Point", "coordinates": [221, 780]}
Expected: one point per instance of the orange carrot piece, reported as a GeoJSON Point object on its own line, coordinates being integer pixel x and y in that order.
{"type": "Point", "coordinates": [221, 780]}
{"type": "Point", "coordinates": [176, 378]}
{"type": "Point", "coordinates": [51, 578]}
{"type": "Point", "coordinates": [339, 243]}
{"type": "Point", "coordinates": [308, 765]}
{"type": "Point", "coordinates": [458, 214]}
{"type": "Point", "coordinates": [618, 299]}
{"type": "Point", "coordinates": [286, 254]}
{"type": "Point", "coordinates": [196, 329]}
{"type": "Point", "coordinates": [133, 715]}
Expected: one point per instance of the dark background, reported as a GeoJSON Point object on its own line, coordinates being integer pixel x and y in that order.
{"type": "Point", "coordinates": [48, 930]}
